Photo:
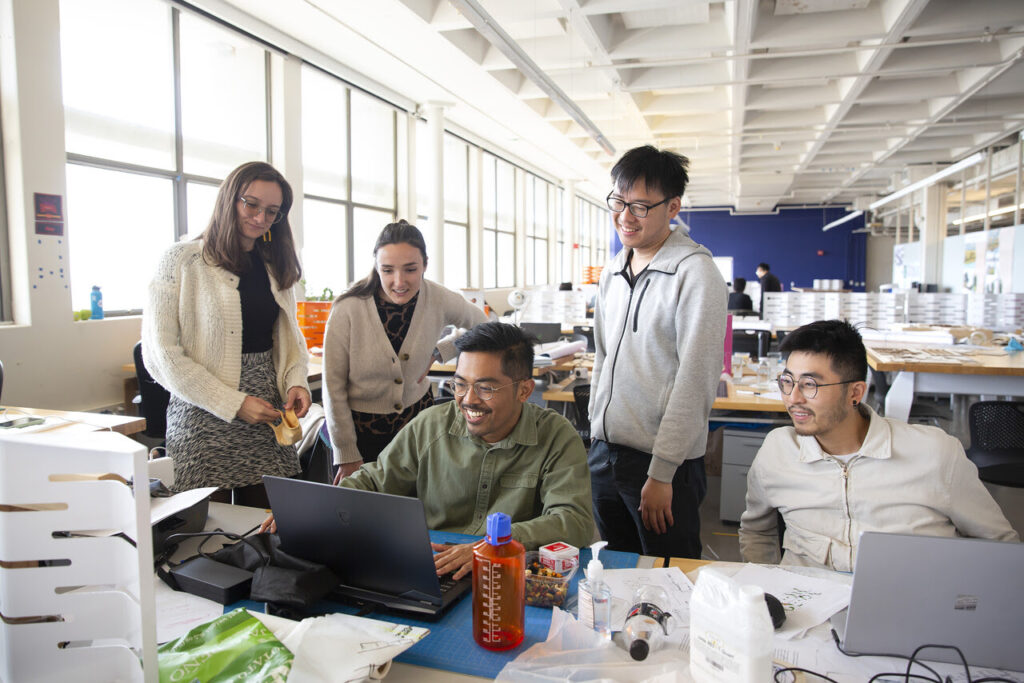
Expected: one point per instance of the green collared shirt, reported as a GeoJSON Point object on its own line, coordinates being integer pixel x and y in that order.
{"type": "Point", "coordinates": [537, 475]}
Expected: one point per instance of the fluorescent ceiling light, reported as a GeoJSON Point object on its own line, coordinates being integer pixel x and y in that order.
{"type": "Point", "coordinates": [930, 180]}
{"type": "Point", "coordinates": [991, 214]}
{"type": "Point", "coordinates": [492, 31]}
{"type": "Point", "coordinates": [840, 221]}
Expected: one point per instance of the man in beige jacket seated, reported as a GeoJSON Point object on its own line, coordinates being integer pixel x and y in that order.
{"type": "Point", "coordinates": [841, 469]}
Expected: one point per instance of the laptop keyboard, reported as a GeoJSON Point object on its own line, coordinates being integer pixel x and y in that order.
{"type": "Point", "coordinates": [448, 582]}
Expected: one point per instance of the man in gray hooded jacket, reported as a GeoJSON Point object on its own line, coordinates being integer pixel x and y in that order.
{"type": "Point", "coordinates": [659, 331]}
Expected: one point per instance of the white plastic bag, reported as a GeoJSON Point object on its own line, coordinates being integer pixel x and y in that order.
{"type": "Point", "coordinates": [575, 653]}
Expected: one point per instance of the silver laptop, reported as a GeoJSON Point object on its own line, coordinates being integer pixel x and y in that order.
{"type": "Point", "coordinates": [910, 591]}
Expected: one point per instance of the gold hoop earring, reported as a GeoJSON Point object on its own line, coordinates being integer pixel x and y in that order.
{"type": "Point", "coordinates": [267, 236]}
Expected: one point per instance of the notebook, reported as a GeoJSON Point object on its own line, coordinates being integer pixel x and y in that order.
{"type": "Point", "coordinates": [377, 543]}
{"type": "Point", "coordinates": [910, 591]}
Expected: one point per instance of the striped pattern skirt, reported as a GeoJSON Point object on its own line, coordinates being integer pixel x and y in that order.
{"type": "Point", "coordinates": [207, 451]}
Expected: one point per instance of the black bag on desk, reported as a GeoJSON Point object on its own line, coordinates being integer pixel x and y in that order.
{"type": "Point", "coordinates": [278, 578]}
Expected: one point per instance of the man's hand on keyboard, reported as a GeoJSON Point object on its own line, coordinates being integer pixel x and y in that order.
{"type": "Point", "coordinates": [454, 559]}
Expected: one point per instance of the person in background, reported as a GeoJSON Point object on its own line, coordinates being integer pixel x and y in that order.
{"type": "Point", "coordinates": [738, 301]}
{"type": "Point", "coordinates": [841, 469]}
{"type": "Point", "coordinates": [381, 339]}
{"type": "Point", "coordinates": [220, 333]}
{"type": "Point", "coordinates": [659, 331]}
{"type": "Point", "coordinates": [769, 283]}
{"type": "Point", "coordinates": [488, 451]}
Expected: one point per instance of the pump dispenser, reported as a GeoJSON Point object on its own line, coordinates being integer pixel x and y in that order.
{"type": "Point", "coordinates": [595, 597]}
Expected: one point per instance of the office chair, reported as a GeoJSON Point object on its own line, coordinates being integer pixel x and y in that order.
{"type": "Point", "coordinates": [919, 412]}
{"type": "Point", "coordinates": [754, 342]}
{"type": "Point", "coordinates": [152, 398]}
{"type": "Point", "coordinates": [581, 400]}
{"type": "Point", "coordinates": [997, 441]}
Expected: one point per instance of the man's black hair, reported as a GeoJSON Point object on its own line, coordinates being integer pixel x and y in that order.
{"type": "Point", "coordinates": [739, 284]}
{"type": "Point", "coordinates": [515, 346]}
{"type": "Point", "coordinates": [838, 340]}
{"type": "Point", "coordinates": [764, 266]}
{"type": "Point", "coordinates": [659, 169]}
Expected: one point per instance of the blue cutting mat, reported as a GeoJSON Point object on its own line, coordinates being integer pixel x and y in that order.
{"type": "Point", "coordinates": [450, 645]}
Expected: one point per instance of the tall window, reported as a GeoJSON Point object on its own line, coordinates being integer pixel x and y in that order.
{"type": "Point", "coordinates": [539, 205]}
{"type": "Point", "coordinates": [126, 188]}
{"type": "Point", "coordinates": [349, 153]}
{"type": "Point", "coordinates": [499, 222]}
{"type": "Point", "coordinates": [456, 212]}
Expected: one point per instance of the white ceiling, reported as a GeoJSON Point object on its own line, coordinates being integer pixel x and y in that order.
{"type": "Point", "coordinates": [775, 102]}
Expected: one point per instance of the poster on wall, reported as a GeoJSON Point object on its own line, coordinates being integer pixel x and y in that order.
{"type": "Point", "coordinates": [988, 261]}
{"type": "Point", "coordinates": [906, 264]}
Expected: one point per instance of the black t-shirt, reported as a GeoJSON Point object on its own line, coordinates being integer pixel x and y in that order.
{"type": "Point", "coordinates": [259, 309]}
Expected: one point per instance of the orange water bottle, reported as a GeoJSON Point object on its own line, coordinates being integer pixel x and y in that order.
{"type": "Point", "coordinates": [499, 586]}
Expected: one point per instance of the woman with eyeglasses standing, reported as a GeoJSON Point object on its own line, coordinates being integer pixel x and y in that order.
{"type": "Point", "coordinates": [220, 334]}
{"type": "Point", "coordinates": [381, 339]}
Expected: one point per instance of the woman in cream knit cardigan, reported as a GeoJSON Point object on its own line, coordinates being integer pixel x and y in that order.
{"type": "Point", "coordinates": [381, 338]}
{"type": "Point", "coordinates": [220, 334]}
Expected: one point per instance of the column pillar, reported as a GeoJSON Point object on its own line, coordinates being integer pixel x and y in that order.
{"type": "Point", "coordinates": [435, 136]}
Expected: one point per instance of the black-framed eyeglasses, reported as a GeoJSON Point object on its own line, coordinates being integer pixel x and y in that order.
{"type": "Point", "coordinates": [251, 209]}
{"type": "Point", "coordinates": [808, 386]}
{"type": "Point", "coordinates": [635, 208]}
{"type": "Point", "coordinates": [483, 391]}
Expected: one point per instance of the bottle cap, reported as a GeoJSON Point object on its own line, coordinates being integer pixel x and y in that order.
{"type": "Point", "coordinates": [751, 594]}
{"type": "Point", "coordinates": [499, 528]}
{"type": "Point", "coordinates": [639, 649]}
{"type": "Point", "coordinates": [595, 570]}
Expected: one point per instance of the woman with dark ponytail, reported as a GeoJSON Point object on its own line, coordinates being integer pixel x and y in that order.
{"type": "Point", "coordinates": [381, 339]}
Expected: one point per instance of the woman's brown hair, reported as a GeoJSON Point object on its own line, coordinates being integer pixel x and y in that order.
{"type": "Point", "coordinates": [222, 239]}
{"type": "Point", "coordinates": [393, 233]}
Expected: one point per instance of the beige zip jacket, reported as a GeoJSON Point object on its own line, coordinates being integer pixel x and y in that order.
{"type": "Point", "coordinates": [908, 479]}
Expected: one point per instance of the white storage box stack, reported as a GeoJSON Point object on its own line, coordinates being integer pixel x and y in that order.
{"type": "Point", "coordinates": [1010, 312]}
{"type": "Point", "coordinates": [808, 307]}
{"type": "Point", "coordinates": [855, 308]}
{"type": "Point", "coordinates": [88, 614]}
{"type": "Point", "coordinates": [835, 305]}
{"type": "Point", "coordinates": [891, 309]}
{"type": "Point", "coordinates": [776, 308]}
{"type": "Point", "coordinates": [981, 309]}
{"type": "Point", "coordinates": [936, 309]}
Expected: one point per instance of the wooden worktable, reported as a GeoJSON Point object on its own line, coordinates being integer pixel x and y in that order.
{"type": "Point", "coordinates": [944, 359]}
{"type": "Point", "coordinates": [122, 424]}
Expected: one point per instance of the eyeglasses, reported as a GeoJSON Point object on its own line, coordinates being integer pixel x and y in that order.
{"type": "Point", "coordinates": [808, 387]}
{"type": "Point", "coordinates": [251, 209]}
{"type": "Point", "coordinates": [484, 392]}
{"type": "Point", "coordinates": [638, 210]}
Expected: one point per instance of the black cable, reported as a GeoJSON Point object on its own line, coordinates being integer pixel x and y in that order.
{"type": "Point", "coordinates": [839, 646]}
{"type": "Point", "coordinates": [904, 676]}
{"type": "Point", "coordinates": [804, 671]}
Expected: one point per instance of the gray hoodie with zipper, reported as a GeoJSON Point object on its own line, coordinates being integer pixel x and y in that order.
{"type": "Point", "coordinates": [660, 347]}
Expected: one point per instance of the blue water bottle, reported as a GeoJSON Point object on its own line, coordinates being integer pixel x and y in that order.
{"type": "Point", "coordinates": [96, 299]}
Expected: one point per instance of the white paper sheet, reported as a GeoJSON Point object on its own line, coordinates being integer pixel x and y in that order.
{"type": "Point", "coordinates": [808, 600]}
{"type": "Point", "coordinates": [624, 582]}
{"type": "Point", "coordinates": [162, 508]}
{"type": "Point", "coordinates": [179, 612]}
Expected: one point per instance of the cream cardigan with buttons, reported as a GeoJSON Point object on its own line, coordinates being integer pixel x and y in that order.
{"type": "Point", "coordinates": [192, 333]}
{"type": "Point", "coordinates": [362, 372]}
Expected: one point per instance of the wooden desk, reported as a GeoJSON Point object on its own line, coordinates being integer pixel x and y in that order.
{"type": "Point", "coordinates": [736, 400]}
{"type": "Point", "coordinates": [945, 369]}
{"type": "Point", "coordinates": [79, 422]}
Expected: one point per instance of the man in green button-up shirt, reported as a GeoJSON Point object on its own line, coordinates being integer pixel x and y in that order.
{"type": "Point", "coordinates": [489, 451]}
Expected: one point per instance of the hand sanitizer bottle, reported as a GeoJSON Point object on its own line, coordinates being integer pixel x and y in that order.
{"type": "Point", "coordinates": [595, 597]}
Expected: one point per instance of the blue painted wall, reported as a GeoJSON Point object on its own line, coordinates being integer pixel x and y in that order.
{"type": "Point", "coordinates": [789, 242]}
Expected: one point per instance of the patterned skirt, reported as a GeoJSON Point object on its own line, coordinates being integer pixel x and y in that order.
{"type": "Point", "coordinates": [207, 451]}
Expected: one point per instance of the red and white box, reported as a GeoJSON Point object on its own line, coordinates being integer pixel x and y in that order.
{"type": "Point", "coordinates": [559, 556]}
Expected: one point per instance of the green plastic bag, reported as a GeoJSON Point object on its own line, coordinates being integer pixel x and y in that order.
{"type": "Point", "coordinates": [233, 648]}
